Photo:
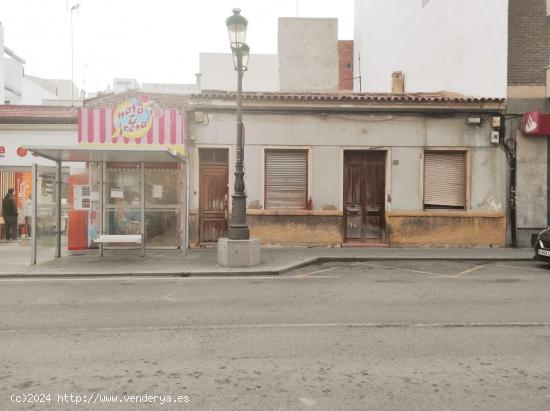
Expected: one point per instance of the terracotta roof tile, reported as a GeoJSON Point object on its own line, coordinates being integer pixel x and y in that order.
{"type": "Point", "coordinates": [183, 101]}
{"type": "Point", "coordinates": [349, 97]}
{"type": "Point", "coordinates": [10, 113]}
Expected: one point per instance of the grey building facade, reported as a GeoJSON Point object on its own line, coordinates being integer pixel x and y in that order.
{"type": "Point", "coordinates": [529, 90]}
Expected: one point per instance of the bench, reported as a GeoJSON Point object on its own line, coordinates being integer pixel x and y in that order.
{"type": "Point", "coordinates": [118, 239]}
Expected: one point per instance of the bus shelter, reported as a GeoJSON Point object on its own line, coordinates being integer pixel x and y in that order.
{"type": "Point", "coordinates": [126, 197]}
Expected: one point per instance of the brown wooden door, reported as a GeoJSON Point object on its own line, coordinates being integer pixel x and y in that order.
{"type": "Point", "coordinates": [213, 198]}
{"type": "Point", "coordinates": [364, 188]}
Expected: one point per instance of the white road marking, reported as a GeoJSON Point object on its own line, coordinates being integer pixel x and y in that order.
{"type": "Point", "coordinates": [469, 270]}
{"type": "Point", "coordinates": [278, 326]}
{"type": "Point", "coordinates": [315, 272]}
{"type": "Point", "coordinates": [399, 269]}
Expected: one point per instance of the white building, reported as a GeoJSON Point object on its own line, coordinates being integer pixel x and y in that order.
{"type": "Point", "coordinates": [456, 46]}
{"type": "Point", "coordinates": [17, 87]}
{"type": "Point", "coordinates": [218, 72]}
{"type": "Point", "coordinates": [307, 60]}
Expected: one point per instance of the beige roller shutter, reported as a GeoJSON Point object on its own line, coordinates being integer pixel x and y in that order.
{"type": "Point", "coordinates": [286, 179]}
{"type": "Point", "coordinates": [444, 180]}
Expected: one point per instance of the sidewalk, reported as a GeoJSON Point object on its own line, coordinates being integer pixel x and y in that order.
{"type": "Point", "coordinates": [15, 260]}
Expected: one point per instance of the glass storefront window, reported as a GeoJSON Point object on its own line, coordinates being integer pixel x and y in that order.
{"type": "Point", "coordinates": [162, 228]}
{"type": "Point", "coordinates": [123, 185]}
{"type": "Point", "coordinates": [161, 186]}
{"type": "Point", "coordinates": [123, 221]}
{"type": "Point", "coordinates": [122, 196]}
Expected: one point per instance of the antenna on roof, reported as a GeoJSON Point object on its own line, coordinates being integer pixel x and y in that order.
{"type": "Point", "coordinates": [74, 7]}
{"type": "Point", "coordinates": [359, 77]}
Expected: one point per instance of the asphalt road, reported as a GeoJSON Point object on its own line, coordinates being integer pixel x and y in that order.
{"type": "Point", "coordinates": [355, 336]}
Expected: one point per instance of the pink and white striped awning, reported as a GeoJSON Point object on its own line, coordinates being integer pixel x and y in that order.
{"type": "Point", "coordinates": [102, 126]}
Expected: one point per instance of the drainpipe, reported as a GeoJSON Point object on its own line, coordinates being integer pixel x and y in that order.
{"type": "Point", "coordinates": [510, 149]}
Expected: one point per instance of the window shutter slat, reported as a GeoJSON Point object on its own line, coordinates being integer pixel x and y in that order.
{"type": "Point", "coordinates": [286, 179]}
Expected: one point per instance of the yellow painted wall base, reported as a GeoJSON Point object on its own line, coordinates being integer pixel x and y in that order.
{"type": "Point", "coordinates": [295, 230]}
{"type": "Point", "coordinates": [447, 228]}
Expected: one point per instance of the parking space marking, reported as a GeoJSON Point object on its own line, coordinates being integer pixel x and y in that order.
{"type": "Point", "coordinates": [400, 269]}
{"type": "Point", "coordinates": [314, 272]}
{"type": "Point", "coordinates": [469, 270]}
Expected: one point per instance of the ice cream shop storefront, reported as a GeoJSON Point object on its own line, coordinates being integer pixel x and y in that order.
{"type": "Point", "coordinates": [127, 186]}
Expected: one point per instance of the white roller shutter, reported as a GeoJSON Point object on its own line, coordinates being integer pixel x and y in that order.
{"type": "Point", "coordinates": [444, 180]}
{"type": "Point", "coordinates": [286, 179]}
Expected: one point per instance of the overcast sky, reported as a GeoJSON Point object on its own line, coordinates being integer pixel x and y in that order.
{"type": "Point", "coordinates": [150, 40]}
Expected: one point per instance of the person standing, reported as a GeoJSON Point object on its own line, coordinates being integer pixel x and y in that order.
{"type": "Point", "coordinates": [10, 214]}
{"type": "Point", "coordinates": [28, 217]}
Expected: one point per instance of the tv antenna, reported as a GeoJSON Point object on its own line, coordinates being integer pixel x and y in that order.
{"type": "Point", "coordinates": [75, 5]}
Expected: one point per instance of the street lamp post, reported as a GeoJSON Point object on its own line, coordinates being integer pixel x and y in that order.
{"type": "Point", "coordinates": [236, 26]}
{"type": "Point", "coordinates": [239, 250]}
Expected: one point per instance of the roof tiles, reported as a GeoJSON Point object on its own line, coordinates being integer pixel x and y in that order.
{"type": "Point", "coordinates": [38, 114]}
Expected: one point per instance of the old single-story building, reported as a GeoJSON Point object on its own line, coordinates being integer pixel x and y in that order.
{"type": "Point", "coordinates": [347, 169]}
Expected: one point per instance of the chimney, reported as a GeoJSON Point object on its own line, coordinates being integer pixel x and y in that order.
{"type": "Point", "coordinates": [198, 80]}
{"type": "Point", "coordinates": [397, 82]}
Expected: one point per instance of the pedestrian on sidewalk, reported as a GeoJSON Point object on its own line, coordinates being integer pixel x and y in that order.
{"type": "Point", "coordinates": [28, 217]}
{"type": "Point", "coordinates": [10, 214]}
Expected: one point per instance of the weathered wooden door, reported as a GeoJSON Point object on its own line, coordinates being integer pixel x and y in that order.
{"type": "Point", "coordinates": [364, 188]}
{"type": "Point", "coordinates": [213, 198]}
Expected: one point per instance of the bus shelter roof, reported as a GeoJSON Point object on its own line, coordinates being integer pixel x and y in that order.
{"type": "Point", "coordinates": [106, 154]}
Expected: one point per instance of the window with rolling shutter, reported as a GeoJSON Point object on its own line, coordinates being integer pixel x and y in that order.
{"type": "Point", "coordinates": [444, 180]}
{"type": "Point", "coordinates": [286, 179]}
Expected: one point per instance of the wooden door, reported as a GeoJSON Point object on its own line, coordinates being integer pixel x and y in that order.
{"type": "Point", "coordinates": [364, 188]}
{"type": "Point", "coordinates": [213, 197]}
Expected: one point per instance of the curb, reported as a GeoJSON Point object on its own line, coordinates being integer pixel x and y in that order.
{"type": "Point", "coordinates": [234, 273]}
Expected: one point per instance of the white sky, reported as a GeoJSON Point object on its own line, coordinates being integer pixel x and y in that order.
{"type": "Point", "coordinates": [150, 40]}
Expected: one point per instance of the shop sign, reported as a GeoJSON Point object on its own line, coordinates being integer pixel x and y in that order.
{"type": "Point", "coordinates": [21, 152]}
{"type": "Point", "coordinates": [136, 122]}
{"type": "Point", "coordinates": [535, 124]}
{"type": "Point", "coordinates": [133, 118]}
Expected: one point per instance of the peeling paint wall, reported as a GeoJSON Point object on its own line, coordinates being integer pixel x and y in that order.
{"type": "Point", "coordinates": [307, 230]}
{"type": "Point", "coordinates": [432, 229]}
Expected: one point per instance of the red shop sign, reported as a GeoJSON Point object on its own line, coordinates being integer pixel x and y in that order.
{"type": "Point", "coordinates": [535, 124]}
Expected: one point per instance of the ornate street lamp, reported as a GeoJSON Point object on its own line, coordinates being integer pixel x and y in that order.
{"type": "Point", "coordinates": [236, 26]}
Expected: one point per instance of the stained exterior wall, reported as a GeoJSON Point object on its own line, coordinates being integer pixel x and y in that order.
{"type": "Point", "coordinates": [327, 136]}
{"type": "Point", "coordinates": [308, 54]}
{"type": "Point", "coordinates": [449, 228]}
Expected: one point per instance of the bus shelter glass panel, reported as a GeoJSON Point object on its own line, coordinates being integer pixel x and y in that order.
{"type": "Point", "coordinates": [163, 205]}
{"type": "Point", "coordinates": [122, 198]}
{"type": "Point", "coordinates": [45, 226]}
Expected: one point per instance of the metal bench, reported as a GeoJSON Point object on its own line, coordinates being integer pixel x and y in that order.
{"type": "Point", "coordinates": [118, 239]}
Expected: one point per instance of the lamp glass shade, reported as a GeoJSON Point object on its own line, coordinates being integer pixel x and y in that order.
{"type": "Point", "coordinates": [236, 28]}
{"type": "Point", "coordinates": [242, 53]}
